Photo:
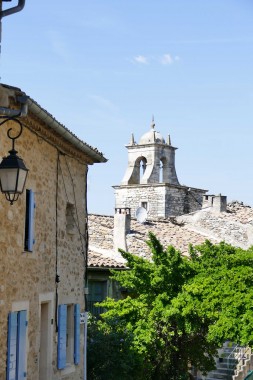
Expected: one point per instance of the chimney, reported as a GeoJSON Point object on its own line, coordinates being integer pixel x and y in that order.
{"type": "Point", "coordinates": [220, 203]}
{"type": "Point", "coordinates": [122, 222]}
{"type": "Point", "coordinates": [207, 200]}
{"type": "Point", "coordinates": [217, 202]}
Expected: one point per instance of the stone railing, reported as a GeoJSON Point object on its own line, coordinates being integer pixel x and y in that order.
{"type": "Point", "coordinates": [245, 363]}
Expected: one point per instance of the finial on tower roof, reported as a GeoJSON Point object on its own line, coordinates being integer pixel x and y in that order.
{"type": "Point", "coordinates": [132, 142]}
{"type": "Point", "coordinates": [153, 122]}
{"type": "Point", "coordinates": [168, 140]}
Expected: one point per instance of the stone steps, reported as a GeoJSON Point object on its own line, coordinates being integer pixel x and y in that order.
{"type": "Point", "coordinates": [225, 364]}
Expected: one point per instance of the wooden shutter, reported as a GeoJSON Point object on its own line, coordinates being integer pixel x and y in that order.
{"type": "Point", "coordinates": [77, 334]}
{"type": "Point", "coordinates": [16, 346]}
{"type": "Point", "coordinates": [62, 336]}
{"type": "Point", "coordinates": [29, 223]}
{"type": "Point", "coordinates": [12, 346]}
{"type": "Point", "coordinates": [21, 345]}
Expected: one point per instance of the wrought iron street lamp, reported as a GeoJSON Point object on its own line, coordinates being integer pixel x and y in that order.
{"type": "Point", "coordinates": [13, 172]}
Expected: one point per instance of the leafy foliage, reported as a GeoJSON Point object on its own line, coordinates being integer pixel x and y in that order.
{"type": "Point", "coordinates": [110, 355]}
{"type": "Point", "coordinates": [222, 290]}
{"type": "Point", "coordinates": [178, 310]}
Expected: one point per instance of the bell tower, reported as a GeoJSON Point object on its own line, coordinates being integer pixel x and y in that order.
{"type": "Point", "coordinates": [150, 180]}
{"type": "Point", "coordinates": [150, 161]}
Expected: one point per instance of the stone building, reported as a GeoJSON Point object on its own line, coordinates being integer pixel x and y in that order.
{"type": "Point", "coordinates": [151, 181]}
{"type": "Point", "coordinates": [43, 246]}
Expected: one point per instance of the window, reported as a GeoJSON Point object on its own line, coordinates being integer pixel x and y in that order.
{"type": "Point", "coordinates": [97, 293]}
{"type": "Point", "coordinates": [70, 220]}
{"type": "Point", "coordinates": [144, 205]}
{"type": "Point", "coordinates": [29, 221]}
{"type": "Point", "coordinates": [16, 345]}
{"type": "Point", "coordinates": [68, 335]}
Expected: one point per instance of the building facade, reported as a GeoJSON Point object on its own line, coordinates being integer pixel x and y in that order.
{"type": "Point", "coordinates": [43, 247]}
{"type": "Point", "coordinates": [151, 181]}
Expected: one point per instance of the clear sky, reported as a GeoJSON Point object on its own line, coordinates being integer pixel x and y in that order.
{"type": "Point", "coordinates": [103, 67]}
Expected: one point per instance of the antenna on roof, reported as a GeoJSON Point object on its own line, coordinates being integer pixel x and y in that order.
{"type": "Point", "coordinates": [141, 215]}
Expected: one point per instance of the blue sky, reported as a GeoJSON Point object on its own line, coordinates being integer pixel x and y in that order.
{"type": "Point", "coordinates": [104, 67]}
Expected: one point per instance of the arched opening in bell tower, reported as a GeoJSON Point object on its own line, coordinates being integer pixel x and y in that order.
{"type": "Point", "coordinates": [138, 170]}
{"type": "Point", "coordinates": [162, 167]}
{"type": "Point", "coordinates": [142, 167]}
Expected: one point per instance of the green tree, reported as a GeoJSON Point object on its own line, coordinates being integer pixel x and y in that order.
{"type": "Point", "coordinates": [165, 332]}
{"type": "Point", "coordinates": [179, 310]}
{"type": "Point", "coordinates": [110, 355]}
{"type": "Point", "coordinates": [222, 291]}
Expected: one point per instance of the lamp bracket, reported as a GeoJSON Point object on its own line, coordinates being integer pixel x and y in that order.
{"type": "Point", "coordinates": [10, 11]}
{"type": "Point", "coordinates": [8, 118]}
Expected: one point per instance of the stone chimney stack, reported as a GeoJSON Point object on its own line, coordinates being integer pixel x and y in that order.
{"type": "Point", "coordinates": [220, 203]}
{"type": "Point", "coordinates": [217, 202]}
{"type": "Point", "coordinates": [122, 223]}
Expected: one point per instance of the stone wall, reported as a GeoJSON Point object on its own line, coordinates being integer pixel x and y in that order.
{"type": "Point", "coordinates": [28, 277]}
{"type": "Point", "coordinates": [163, 200]}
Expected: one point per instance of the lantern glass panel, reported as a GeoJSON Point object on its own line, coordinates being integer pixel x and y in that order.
{"type": "Point", "coordinates": [21, 180]}
{"type": "Point", "coordinates": [8, 179]}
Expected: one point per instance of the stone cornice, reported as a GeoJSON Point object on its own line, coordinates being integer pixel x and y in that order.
{"type": "Point", "coordinates": [143, 185]}
{"type": "Point", "coordinates": [15, 103]}
{"type": "Point", "coordinates": [35, 125]}
{"type": "Point", "coordinates": [156, 145]}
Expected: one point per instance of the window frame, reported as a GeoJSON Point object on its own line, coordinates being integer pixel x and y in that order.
{"type": "Point", "coordinates": [68, 347]}
{"type": "Point", "coordinates": [16, 365]}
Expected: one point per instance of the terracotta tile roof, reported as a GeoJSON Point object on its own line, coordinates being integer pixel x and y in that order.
{"type": "Point", "coordinates": [98, 260]}
{"type": "Point", "coordinates": [239, 212]}
{"type": "Point", "coordinates": [234, 226]}
{"type": "Point", "coordinates": [167, 232]}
